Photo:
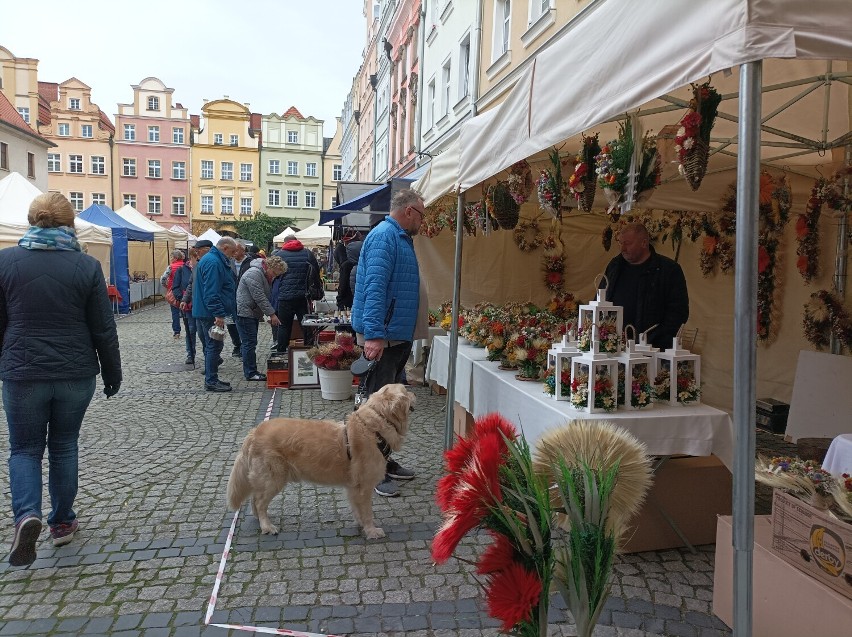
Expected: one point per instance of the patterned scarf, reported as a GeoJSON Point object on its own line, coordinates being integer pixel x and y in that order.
{"type": "Point", "coordinates": [61, 238]}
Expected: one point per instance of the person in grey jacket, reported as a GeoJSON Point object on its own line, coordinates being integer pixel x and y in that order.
{"type": "Point", "coordinates": [252, 304]}
{"type": "Point", "coordinates": [58, 333]}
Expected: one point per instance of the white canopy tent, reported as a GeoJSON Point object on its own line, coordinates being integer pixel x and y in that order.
{"type": "Point", "coordinates": [129, 213]}
{"type": "Point", "coordinates": [16, 195]}
{"type": "Point", "coordinates": [155, 255]}
{"type": "Point", "coordinates": [777, 62]}
{"type": "Point", "coordinates": [279, 238]}
{"type": "Point", "coordinates": [315, 236]}
{"type": "Point", "coordinates": [210, 235]}
{"type": "Point", "coordinates": [188, 236]}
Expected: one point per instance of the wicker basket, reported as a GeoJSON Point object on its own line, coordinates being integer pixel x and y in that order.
{"type": "Point", "coordinates": [502, 207]}
{"type": "Point", "coordinates": [587, 197]}
{"type": "Point", "coordinates": [695, 164]}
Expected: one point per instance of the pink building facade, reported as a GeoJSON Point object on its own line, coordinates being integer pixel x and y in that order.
{"type": "Point", "coordinates": [403, 38]}
{"type": "Point", "coordinates": [367, 79]}
{"type": "Point", "coordinates": [152, 166]}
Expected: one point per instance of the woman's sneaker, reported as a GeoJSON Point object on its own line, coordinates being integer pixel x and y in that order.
{"type": "Point", "coordinates": [23, 551]}
{"type": "Point", "coordinates": [398, 472]}
{"type": "Point", "coordinates": [62, 534]}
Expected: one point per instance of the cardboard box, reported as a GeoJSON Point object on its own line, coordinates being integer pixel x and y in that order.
{"type": "Point", "coordinates": [786, 602]}
{"type": "Point", "coordinates": [436, 389]}
{"type": "Point", "coordinates": [462, 421]}
{"type": "Point", "coordinates": [812, 541]}
{"type": "Point", "coordinates": [690, 491]}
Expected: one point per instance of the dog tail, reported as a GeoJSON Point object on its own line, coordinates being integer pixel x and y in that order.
{"type": "Point", "coordinates": [239, 487]}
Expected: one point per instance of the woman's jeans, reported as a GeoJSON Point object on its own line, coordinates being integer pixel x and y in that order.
{"type": "Point", "coordinates": [175, 319]}
{"type": "Point", "coordinates": [43, 414]}
{"type": "Point", "coordinates": [190, 329]}
{"type": "Point", "coordinates": [247, 327]}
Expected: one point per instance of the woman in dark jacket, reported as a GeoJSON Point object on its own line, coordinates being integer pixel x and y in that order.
{"type": "Point", "coordinates": [58, 333]}
{"type": "Point", "coordinates": [180, 282]}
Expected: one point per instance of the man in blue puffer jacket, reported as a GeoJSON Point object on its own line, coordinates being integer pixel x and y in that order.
{"type": "Point", "coordinates": [387, 298]}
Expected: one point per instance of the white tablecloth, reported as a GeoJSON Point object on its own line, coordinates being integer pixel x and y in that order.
{"type": "Point", "coordinates": [481, 388]}
{"type": "Point", "coordinates": [838, 459]}
{"type": "Point", "coordinates": [420, 343]}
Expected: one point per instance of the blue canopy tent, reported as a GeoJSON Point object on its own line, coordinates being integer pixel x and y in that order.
{"type": "Point", "coordinates": [122, 232]}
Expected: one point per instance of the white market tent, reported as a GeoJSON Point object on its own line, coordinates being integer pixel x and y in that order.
{"type": "Point", "coordinates": [279, 238]}
{"type": "Point", "coordinates": [775, 64]}
{"type": "Point", "coordinates": [315, 236]}
{"type": "Point", "coordinates": [16, 195]}
{"type": "Point", "coordinates": [210, 235]}
{"type": "Point", "coordinates": [187, 236]}
{"type": "Point", "coordinates": [129, 213]}
{"type": "Point", "coordinates": [151, 257]}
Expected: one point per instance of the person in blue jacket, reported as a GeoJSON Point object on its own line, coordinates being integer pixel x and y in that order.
{"type": "Point", "coordinates": [387, 298]}
{"type": "Point", "coordinates": [214, 296]}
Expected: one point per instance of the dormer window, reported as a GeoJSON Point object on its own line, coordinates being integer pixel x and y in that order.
{"type": "Point", "coordinates": [153, 103]}
{"type": "Point", "coordinates": [74, 104]}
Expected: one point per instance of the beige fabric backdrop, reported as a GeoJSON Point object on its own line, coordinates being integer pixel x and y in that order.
{"type": "Point", "coordinates": [493, 269]}
{"type": "Point", "coordinates": [139, 257]}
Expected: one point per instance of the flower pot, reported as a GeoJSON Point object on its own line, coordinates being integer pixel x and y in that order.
{"type": "Point", "coordinates": [335, 384]}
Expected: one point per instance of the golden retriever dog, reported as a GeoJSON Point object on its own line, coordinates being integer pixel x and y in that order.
{"type": "Point", "coordinates": [346, 454]}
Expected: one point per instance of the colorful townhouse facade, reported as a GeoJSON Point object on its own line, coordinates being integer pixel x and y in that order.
{"type": "Point", "coordinates": [349, 139]}
{"type": "Point", "coordinates": [291, 175]}
{"type": "Point", "coordinates": [332, 167]}
{"type": "Point", "coordinates": [81, 164]}
{"type": "Point", "coordinates": [224, 159]}
{"type": "Point", "coordinates": [367, 84]}
{"type": "Point", "coordinates": [403, 36]}
{"type": "Point", "coordinates": [153, 169]}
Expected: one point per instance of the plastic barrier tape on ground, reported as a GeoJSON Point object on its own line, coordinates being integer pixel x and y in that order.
{"type": "Point", "coordinates": [211, 606]}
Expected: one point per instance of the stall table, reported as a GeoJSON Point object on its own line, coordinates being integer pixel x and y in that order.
{"type": "Point", "coordinates": [838, 459]}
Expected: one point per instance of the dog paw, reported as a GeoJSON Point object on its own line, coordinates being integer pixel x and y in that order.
{"type": "Point", "coordinates": [374, 533]}
{"type": "Point", "coordinates": [268, 529]}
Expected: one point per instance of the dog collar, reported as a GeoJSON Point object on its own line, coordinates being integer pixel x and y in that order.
{"type": "Point", "coordinates": [381, 443]}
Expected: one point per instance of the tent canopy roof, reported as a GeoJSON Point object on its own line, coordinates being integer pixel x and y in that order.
{"type": "Point", "coordinates": [314, 235]}
{"type": "Point", "coordinates": [105, 216]}
{"type": "Point", "coordinates": [133, 216]}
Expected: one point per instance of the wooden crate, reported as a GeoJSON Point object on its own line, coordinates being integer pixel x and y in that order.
{"type": "Point", "coordinates": [277, 378]}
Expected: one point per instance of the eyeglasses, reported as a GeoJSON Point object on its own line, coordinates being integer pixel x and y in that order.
{"type": "Point", "coordinates": [417, 210]}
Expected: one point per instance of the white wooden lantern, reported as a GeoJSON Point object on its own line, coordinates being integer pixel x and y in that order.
{"type": "Point", "coordinates": [596, 320]}
{"type": "Point", "coordinates": [635, 367]}
{"type": "Point", "coordinates": [586, 370]}
{"type": "Point", "coordinates": [559, 359]}
{"type": "Point", "coordinates": [678, 375]}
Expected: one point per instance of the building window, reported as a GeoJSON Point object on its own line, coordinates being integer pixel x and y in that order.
{"type": "Point", "coordinates": [292, 198]}
{"type": "Point", "coordinates": [86, 131]}
{"type": "Point", "coordinates": [74, 103]}
{"type": "Point", "coordinates": [293, 168]}
{"type": "Point", "coordinates": [153, 133]}
{"type": "Point", "coordinates": [245, 172]}
{"type": "Point", "coordinates": [155, 205]}
{"type": "Point", "coordinates": [31, 165]}
{"type": "Point", "coordinates": [274, 167]}
{"type": "Point", "coordinates": [130, 200]}
{"type": "Point", "coordinates": [430, 105]}
{"type": "Point", "coordinates": [217, 139]}
{"type": "Point", "coordinates": [207, 169]}
{"type": "Point", "coordinates": [4, 156]}
{"type": "Point", "coordinates": [310, 199]}
{"type": "Point", "coordinates": [337, 172]}
{"type": "Point", "coordinates": [54, 162]}
{"type": "Point", "coordinates": [464, 67]}
{"type": "Point", "coordinates": [311, 169]}
{"type": "Point", "coordinates": [75, 163]}
{"type": "Point", "coordinates": [292, 137]}
{"type": "Point", "coordinates": [130, 132]}
{"type": "Point", "coordinates": [245, 205]}
{"type": "Point", "coordinates": [98, 165]}
{"type": "Point", "coordinates": [227, 205]}
{"type": "Point", "coordinates": [207, 204]}
{"type": "Point", "coordinates": [153, 103]}
{"type": "Point", "coordinates": [178, 170]}
{"type": "Point", "coordinates": [333, 201]}
{"type": "Point", "coordinates": [445, 75]}
{"type": "Point", "coordinates": [274, 197]}
{"type": "Point", "coordinates": [154, 169]}
{"type": "Point", "coordinates": [235, 140]}
{"type": "Point", "coordinates": [502, 31]}
{"type": "Point", "coordinates": [128, 167]}
{"type": "Point", "coordinates": [24, 111]}
{"type": "Point", "coordinates": [227, 169]}
{"type": "Point", "coordinates": [76, 199]}
{"type": "Point", "coordinates": [99, 198]}
{"type": "Point", "coordinates": [177, 135]}
{"type": "Point", "coordinates": [64, 130]}
{"type": "Point", "coordinates": [179, 206]}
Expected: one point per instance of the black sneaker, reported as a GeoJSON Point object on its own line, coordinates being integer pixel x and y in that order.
{"type": "Point", "coordinates": [257, 376]}
{"type": "Point", "coordinates": [23, 551]}
{"type": "Point", "coordinates": [189, 361]}
{"type": "Point", "coordinates": [387, 488]}
{"type": "Point", "coordinates": [218, 387]}
{"type": "Point", "coordinates": [237, 353]}
{"type": "Point", "coordinates": [398, 472]}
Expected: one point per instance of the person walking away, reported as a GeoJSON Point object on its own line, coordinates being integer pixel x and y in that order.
{"type": "Point", "coordinates": [214, 297]}
{"type": "Point", "coordinates": [57, 333]}
{"type": "Point", "coordinates": [166, 280]}
{"type": "Point", "coordinates": [201, 248]}
{"type": "Point", "coordinates": [293, 290]}
{"type": "Point", "coordinates": [348, 272]}
{"type": "Point", "coordinates": [180, 284]}
{"type": "Point", "coordinates": [253, 292]}
{"type": "Point", "coordinates": [386, 304]}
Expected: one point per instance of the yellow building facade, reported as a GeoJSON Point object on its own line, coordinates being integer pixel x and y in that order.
{"type": "Point", "coordinates": [224, 164]}
{"type": "Point", "coordinates": [332, 168]}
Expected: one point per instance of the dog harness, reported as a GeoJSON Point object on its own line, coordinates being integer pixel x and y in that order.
{"type": "Point", "coordinates": [381, 443]}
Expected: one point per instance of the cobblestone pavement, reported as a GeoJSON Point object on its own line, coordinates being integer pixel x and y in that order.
{"type": "Point", "coordinates": [154, 462]}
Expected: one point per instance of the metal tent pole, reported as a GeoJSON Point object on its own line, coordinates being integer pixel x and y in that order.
{"type": "Point", "coordinates": [454, 334]}
{"type": "Point", "coordinates": [842, 252]}
{"type": "Point", "coordinates": [745, 341]}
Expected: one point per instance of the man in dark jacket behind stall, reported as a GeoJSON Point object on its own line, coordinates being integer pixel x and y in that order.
{"type": "Point", "coordinates": [650, 287]}
{"type": "Point", "coordinates": [293, 289]}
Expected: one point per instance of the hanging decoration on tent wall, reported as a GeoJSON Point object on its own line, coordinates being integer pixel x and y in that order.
{"type": "Point", "coordinates": [824, 192]}
{"type": "Point", "coordinates": [435, 218]}
{"type": "Point", "coordinates": [692, 142]}
{"type": "Point", "coordinates": [475, 216]}
{"type": "Point", "coordinates": [520, 181]}
{"type": "Point", "coordinates": [551, 186]}
{"type": "Point", "coordinates": [553, 262]}
{"type": "Point", "coordinates": [612, 167]}
{"type": "Point", "coordinates": [583, 182]}
{"type": "Point", "coordinates": [501, 206]}
{"type": "Point", "coordinates": [718, 245]}
{"type": "Point", "coordinates": [527, 235]}
{"type": "Point", "coordinates": [824, 316]}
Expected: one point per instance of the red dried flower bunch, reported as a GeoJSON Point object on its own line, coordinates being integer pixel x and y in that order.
{"type": "Point", "coordinates": [339, 354]}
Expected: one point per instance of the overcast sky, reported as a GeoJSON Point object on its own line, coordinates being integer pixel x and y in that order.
{"type": "Point", "coordinates": [271, 53]}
